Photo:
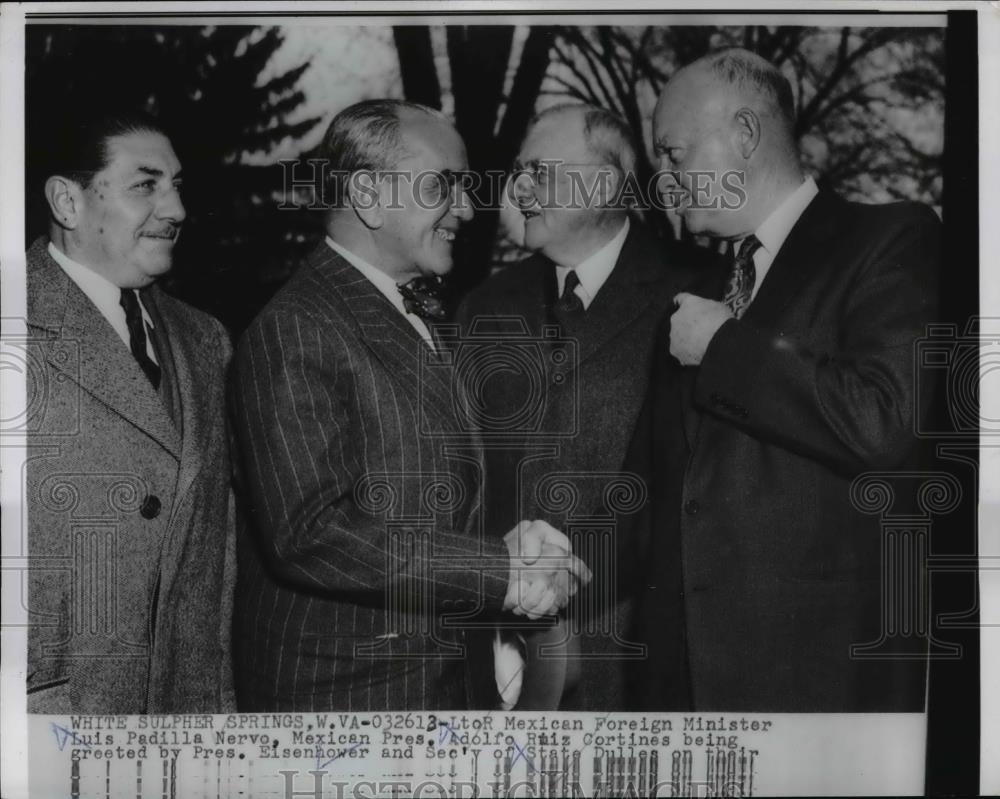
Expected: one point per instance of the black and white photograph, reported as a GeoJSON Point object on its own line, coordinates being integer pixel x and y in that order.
{"type": "Point", "coordinates": [458, 400]}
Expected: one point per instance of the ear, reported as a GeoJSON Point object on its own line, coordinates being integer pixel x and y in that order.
{"type": "Point", "coordinates": [364, 197]}
{"type": "Point", "coordinates": [65, 199]}
{"type": "Point", "coordinates": [747, 131]}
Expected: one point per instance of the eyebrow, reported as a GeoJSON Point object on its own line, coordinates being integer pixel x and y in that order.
{"type": "Point", "coordinates": [662, 145]}
{"type": "Point", "coordinates": [156, 172]}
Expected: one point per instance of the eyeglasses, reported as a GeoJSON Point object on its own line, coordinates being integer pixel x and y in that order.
{"type": "Point", "coordinates": [543, 172]}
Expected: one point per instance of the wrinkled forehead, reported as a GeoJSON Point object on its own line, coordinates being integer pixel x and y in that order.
{"type": "Point", "coordinates": [556, 137]}
{"type": "Point", "coordinates": [143, 151]}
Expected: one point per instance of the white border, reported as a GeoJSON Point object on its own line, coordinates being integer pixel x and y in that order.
{"type": "Point", "coordinates": [12, 16]}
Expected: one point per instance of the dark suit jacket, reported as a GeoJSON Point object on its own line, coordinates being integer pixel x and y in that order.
{"type": "Point", "coordinates": [364, 489]}
{"type": "Point", "coordinates": [567, 466]}
{"type": "Point", "coordinates": [130, 509]}
{"type": "Point", "coordinates": [757, 549]}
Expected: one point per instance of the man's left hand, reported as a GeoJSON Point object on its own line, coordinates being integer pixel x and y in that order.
{"type": "Point", "coordinates": [692, 326]}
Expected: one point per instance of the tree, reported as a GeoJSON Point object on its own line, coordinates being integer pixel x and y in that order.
{"type": "Point", "coordinates": [870, 100]}
{"type": "Point", "coordinates": [491, 122]}
{"type": "Point", "coordinates": [204, 85]}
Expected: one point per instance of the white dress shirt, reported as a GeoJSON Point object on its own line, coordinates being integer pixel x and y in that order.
{"type": "Point", "coordinates": [106, 297]}
{"type": "Point", "coordinates": [387, 286]}
{"type": "Point", "coordinates": [775, 229]}
{"type": "Point", "coordinates": [594, 271]}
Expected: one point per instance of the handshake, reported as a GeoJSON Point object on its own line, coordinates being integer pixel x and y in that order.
{"type": "Point", "coordinates": [544, 572]}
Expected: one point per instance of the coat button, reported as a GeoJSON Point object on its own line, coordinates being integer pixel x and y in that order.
{"type": "Point", "coordinates": [150, 507]}
{"type": "Point", "coordinates": [691, 507]}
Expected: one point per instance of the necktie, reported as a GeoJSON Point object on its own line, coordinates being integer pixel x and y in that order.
{"type": "Point", "coordinates": [137, 336]}
{"type": "Point", "coordinates": [569, 300]}
{"type": "Point", "coordinates": [425, 297]}
{"type": "Point", "coordinates": [739, 286]}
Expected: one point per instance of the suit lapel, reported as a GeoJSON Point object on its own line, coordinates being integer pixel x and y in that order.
{"type": "Point", "coordinates": [797, 259]}
{"type": "Point", "coordinates": [799, 256]}
{"type": "Point", "coordinates": [385, 331]}
{"type": "Point", "coordinates": [625, 295]}
{"type": "Point", "coordinates": [107, 370]}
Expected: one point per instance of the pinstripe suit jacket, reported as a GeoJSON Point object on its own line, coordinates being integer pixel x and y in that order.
{"type": "Point", "coordinates": [364, 546]}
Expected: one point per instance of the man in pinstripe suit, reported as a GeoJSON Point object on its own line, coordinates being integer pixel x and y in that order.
{"type": "Point", "coordinates": [366, 550]}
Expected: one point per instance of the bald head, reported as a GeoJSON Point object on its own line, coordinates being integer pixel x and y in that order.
{"type": "Point", "coordinates": [729, 116]}
{"type": "Point", "coordinates": [746, 79]}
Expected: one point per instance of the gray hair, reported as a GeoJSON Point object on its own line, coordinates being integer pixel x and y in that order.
{"type": "Point", "coordinates": [366, 136]}
{"type": "Point", "coordinates": [606, 134]}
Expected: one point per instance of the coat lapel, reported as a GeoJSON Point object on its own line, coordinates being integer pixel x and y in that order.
{"type": "Point", "coordinates": [797, 259]}
{"type": "Point", "coordinates": [386, 332]}
{"type": "Point", "coordinates": [625, 295]}
{"type": "Point", "coordinates": [799, 256]}
{"type": "Point", "coordinates": [193, 372]}
{"type": "Point", "coordinates": [107, 370]}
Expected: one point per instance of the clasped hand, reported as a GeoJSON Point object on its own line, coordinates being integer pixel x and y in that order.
{"type": "Point", "coordinates": [693, 325]}
{"type": "Point", "coordinates": [544, 572]}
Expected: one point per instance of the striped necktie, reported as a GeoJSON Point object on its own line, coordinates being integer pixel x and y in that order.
{"type": "Point", "coordinates": [137, 336]}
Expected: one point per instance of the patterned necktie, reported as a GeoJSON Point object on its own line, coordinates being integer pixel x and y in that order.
{"type": "Point", "coordinates": [739, 286]}
{"type": "Point", "coordinates": [425, 297]}
{"type": "Point", "coordinates": [137, 336]}
{"type": "Point", "coordinates": [569, 300]}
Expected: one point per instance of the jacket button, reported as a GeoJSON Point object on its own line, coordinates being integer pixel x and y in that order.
{"type": "Point", "coordinates": [150, 507]}
{"type": "Point", "coordinates": [691, 507]}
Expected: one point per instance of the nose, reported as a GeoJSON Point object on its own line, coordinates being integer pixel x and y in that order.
{"type": "Point", "coordinates": [521, 189]}
{"type": "Point", "coordinates": [667, 168]}
{"type": "Point", "coordinates": [668, 183]}
{"type": "Point", "coordinates": [171, 208]}
{"type": "Point", "coordinates": [461, 205]}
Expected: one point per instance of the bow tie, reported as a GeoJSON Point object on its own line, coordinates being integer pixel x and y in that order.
{"type": "Point", "coordinates": [425, 297]}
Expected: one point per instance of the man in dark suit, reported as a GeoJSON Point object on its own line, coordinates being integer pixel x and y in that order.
{"type": "Point", "coordinates": [368, 555]}
{"type": "Point", "coordinates": [130, 511]}
{"type": "Point", "coordinates": [602, 281]}
{"type": "Point", "coordinates": [789, 374]}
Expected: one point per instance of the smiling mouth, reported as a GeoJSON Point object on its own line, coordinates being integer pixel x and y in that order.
{"type": "Point", "coordinates": [531, 211]}
{"type": "Point", "coordinates": [445, 234]}
{"type": "Point", "coordinates": [164, 235]}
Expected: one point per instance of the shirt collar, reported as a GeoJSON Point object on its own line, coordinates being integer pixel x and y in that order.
{"type": "Point", "coordinates": [104, 294]}
{"type": "Point", "coordinates": [385, 284]}
{"type": "Point", "coordinates": [595, 270]}
{"type": "Point", "coordinates": [775, 229]}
